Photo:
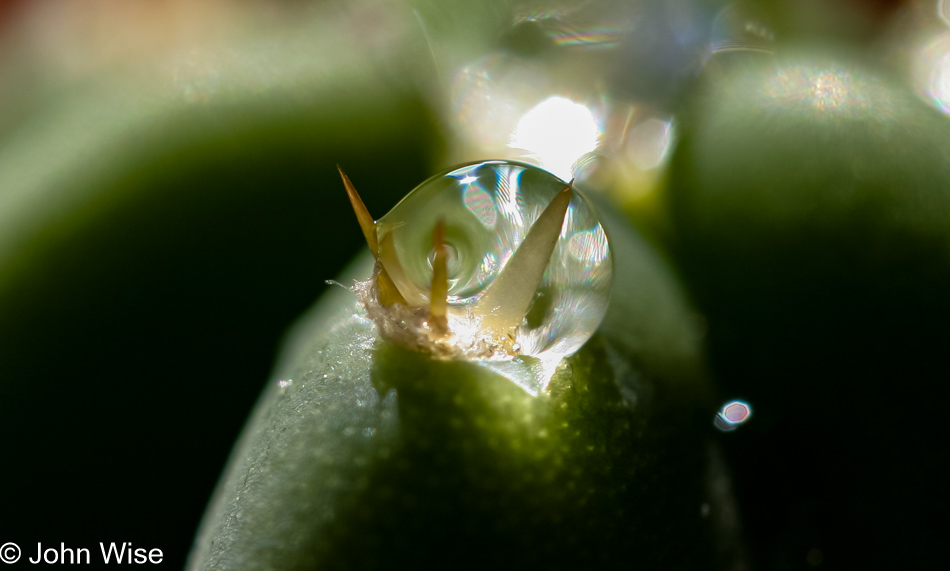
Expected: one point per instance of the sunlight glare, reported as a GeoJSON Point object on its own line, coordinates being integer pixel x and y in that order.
{"type": "Point", "coordinates": [557, 132]}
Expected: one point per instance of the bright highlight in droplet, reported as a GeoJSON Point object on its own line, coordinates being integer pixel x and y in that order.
{"type": "Point", "coordinates": [732, 414]}
{"type": "Point", "coordinates": [557, 132]}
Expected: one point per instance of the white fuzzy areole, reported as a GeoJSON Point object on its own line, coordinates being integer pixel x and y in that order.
{"type": "Point", "coordinates": [410, 328]}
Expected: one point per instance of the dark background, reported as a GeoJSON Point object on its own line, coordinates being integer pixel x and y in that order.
{"type": "Point", "coordinates": [135, 338]}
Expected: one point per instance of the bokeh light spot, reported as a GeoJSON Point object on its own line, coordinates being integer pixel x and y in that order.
{"type": "Point", "coordinates": [648, 143]}
{"type": "Point", "coordinates": [732, 414]}
{"type": "Point", "coordinates": [932, 72]}
{"type": "Point", "coordinates": [557, 133]}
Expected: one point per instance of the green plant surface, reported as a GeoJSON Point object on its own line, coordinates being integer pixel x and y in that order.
{"type": "Point", "coordinates": [158, 230]}
{"type": "Point", "coordinates": [811, 205]}
{"type": "Point", "coordinates": [155, 237]}
{"type": "Point", "coordinates": [363, 455]}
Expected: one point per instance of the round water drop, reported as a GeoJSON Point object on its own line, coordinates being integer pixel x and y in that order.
{"type": "Point", "coordinates": [488, 210]}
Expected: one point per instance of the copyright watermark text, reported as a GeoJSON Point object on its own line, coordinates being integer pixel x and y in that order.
{"type": "Point", "coordinates": [104, 553]}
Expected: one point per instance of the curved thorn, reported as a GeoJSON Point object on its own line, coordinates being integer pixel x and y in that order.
{"type": "Point", "coordinates": [388, 292]}
{"type": "Point", "coordinates": [509, 298]}
{"type": "Point", "coordinates": [367, 224]}
{"type": "Point", "coordinates": [439, 292]}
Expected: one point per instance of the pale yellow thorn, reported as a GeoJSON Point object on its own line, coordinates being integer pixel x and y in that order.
{"type": "Point", "coordinates": [392, 270]}
{"type": "Point", "coordinates": [439, 292]}
{"type": "Point", "coordinates": [509, 298]}
{"type": "Point", "coordinates": [388, 292]}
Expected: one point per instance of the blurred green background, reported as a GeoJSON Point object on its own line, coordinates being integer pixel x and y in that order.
{"type": "Point", "coordinates": [169, 204]}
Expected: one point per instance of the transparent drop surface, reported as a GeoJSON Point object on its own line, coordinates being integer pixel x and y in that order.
{"type": "Point", "coordinates": [488, 209]}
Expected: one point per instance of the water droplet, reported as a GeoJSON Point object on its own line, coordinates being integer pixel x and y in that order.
{"type": "Point", "coordinates": [488, 209]}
